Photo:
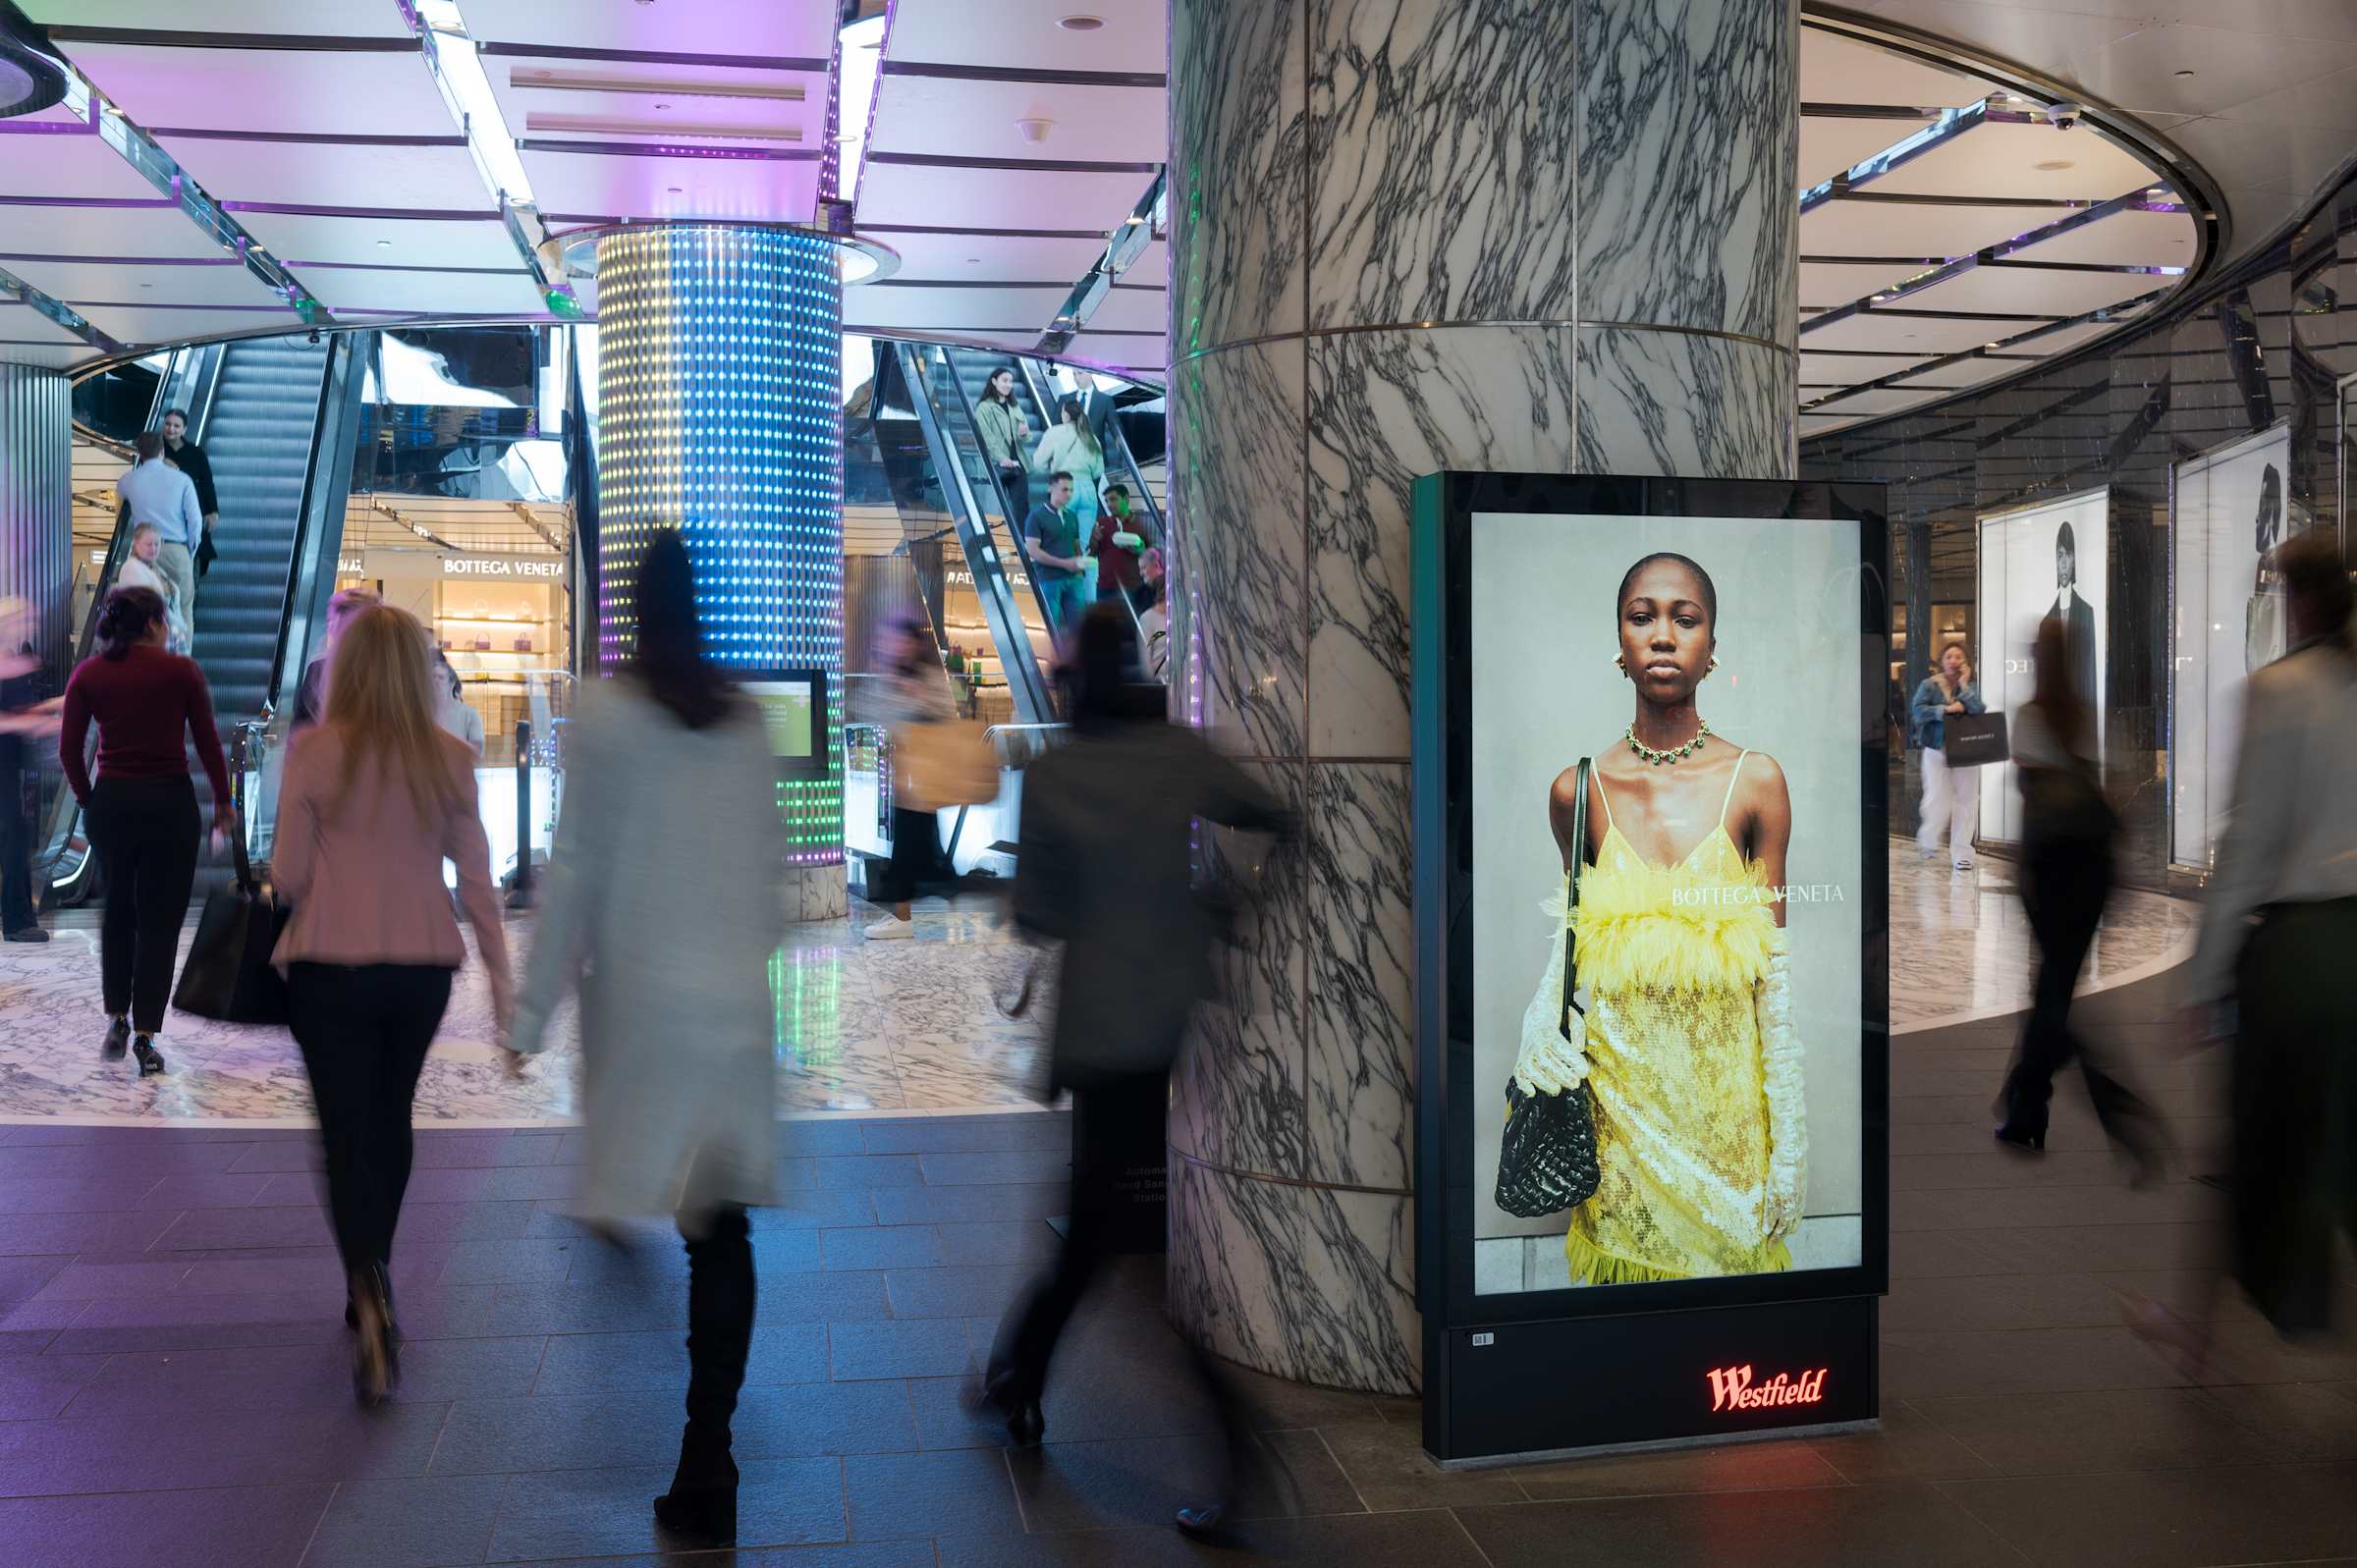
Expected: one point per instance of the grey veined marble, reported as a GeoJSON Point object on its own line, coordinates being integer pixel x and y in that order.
{"type": "Point", "coordinates": [1553, 236]}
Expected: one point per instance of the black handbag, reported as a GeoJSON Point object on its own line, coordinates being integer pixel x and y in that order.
{"type": "Point", "coordinates": [1976, 739]}
{"type": "Point", "coordinates": [229, 975]}
{"type": "Point", "coordinates": [1547, 1160]}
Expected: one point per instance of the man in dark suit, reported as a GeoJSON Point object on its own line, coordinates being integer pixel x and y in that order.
{"type": "Point", "coordinates": [1096, 407]}
{"type": "Point", "coordinates": [2076, 615]}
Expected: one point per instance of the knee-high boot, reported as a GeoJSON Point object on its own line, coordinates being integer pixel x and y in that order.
{"type": "Point", "coordinates": [702, 1500]}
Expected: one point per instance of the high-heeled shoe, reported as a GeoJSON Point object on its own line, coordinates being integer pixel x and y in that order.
{"type": "Point", "coordinates": [375, 1361]}
{"type": "Point", "coordinates": [701, 1505]}
{"type": "Point", "coordinates": [151, 1061]}
{"type": "Point", "coordinates": [352, 1310]}
{"type": "Point", "coordinates": [2026, 1143]}
{"type": "Point", "coordinates": [117, 1039]}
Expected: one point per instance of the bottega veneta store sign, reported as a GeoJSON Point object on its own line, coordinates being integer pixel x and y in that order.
{"type": "Point", "coordinates": [500, 566]}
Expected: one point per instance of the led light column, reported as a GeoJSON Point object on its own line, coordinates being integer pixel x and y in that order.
{"type": "Point", "coordinates": [720, 382]}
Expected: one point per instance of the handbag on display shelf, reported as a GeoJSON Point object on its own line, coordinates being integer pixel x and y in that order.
{"type": "Point", "coordinates": [943, 762]}
{"type": "Point", "coordinates": [1976, 739]}
{"type": "Point", "coordinates": [1547, 1160]}
{"type": "Point", "coordinates": [229, 975]}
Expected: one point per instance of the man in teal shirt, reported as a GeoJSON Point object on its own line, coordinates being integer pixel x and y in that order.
{"type": "Point", "coordinates": [1053, 535]}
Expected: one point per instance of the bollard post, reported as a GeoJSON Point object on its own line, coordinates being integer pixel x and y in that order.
{"type": "Point", "coordinates": [520, 895]}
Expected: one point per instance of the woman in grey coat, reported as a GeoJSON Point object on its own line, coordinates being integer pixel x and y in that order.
{"type": "Point", "coordinates": [1105, 867]}
{"type": "Point", "coordinates": [664, 918]}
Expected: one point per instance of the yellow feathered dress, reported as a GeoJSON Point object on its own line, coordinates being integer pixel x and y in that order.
{"type": "Point", "coordinates": [1693, 1072]}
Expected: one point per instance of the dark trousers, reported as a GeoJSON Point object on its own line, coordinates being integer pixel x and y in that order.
{"type": "Point", "coordinates": [1017, 483]}
{"type": "Point", "coordinates": [721, 1297]}
{"type": "Point", "coordinates": [16, 853]}
{"type": "Point", "coordinates": [2065, 886]}
{"type": "Point", "coordinates": [146, 832]}
{"type": "Point", "coordinates": [1102, 1117]}
{"type": "Point", "coordinates": [2294, 1088]}
{"type": "Point", "coordinates": [364, 1030]}
{"type": "Point", "coordinates": [915, 857]}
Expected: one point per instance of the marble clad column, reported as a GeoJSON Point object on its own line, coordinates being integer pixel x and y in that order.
{"type": "Point", "coordinates": [1413, 234]}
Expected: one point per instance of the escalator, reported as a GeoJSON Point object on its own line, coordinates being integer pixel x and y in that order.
{"type": "Point", "coordinates": [278, 418]}
{"type": "Point", "coordinates": [257, 431]}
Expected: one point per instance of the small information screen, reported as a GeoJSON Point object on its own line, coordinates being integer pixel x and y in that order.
{"type": "Point", "coordinates": [786, 708]}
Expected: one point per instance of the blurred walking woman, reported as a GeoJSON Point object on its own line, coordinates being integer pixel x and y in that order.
{"type": "Point", "coordinates": [2068, 828]}
{"type": "Point", "coordinates": [666, 919]}
{"type": "Point", "coordinates": [373, 800]}
{"type": "Point", "coordinates": [148, 704]}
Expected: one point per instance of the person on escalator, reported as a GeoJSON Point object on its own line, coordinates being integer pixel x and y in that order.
{"type": "Point", "coordinates": [141, 572]}
{"type": "Point", "coordinates": [189, 458]}
{"type": "Point", "coordinates": [917, 694]}
{"type": "Point", "coordinates": [141, 809]}
{"type": "Point", "coordinates": [1096, 406]}
{"type": "Point", "coordinates": [155, 493]}
{"type": "Point", "coordinates": [310, 696]}
{"type": "Point", "coordinates": [1154, 614]}
{"type": "Point", "coordinates": [1053, 534]}
{"type": "Point", "coordinates": [1118, 544]}
{"type": "Point", "coordinates": [1072, 449]}
{"type": "Point", "coordinates": [1004, 430]}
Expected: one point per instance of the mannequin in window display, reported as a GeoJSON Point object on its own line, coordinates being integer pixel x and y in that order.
{"type": "Point", "coordinates": [1692, 1067]}
{"type": "Point", "coordinates": [2263, 639]}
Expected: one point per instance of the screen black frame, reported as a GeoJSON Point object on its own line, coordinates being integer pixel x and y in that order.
{"type": "Point", "coordinates": [822, 736]}
{"type": "Point", "coordinates": [1443, 763]}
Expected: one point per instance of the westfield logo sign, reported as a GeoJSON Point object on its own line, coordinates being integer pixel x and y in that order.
{"type": "Point", "coordinates": [1732, 1388]}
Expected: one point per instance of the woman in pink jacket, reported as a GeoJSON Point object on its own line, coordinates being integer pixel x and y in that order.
{"type": "Point", "coordinates": [374, 798]}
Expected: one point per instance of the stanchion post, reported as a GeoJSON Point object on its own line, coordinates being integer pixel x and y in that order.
{"type": "Point", "coordinates": [520, 895]}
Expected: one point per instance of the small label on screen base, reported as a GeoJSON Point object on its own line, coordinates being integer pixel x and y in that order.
{"type": "Point", "coordinates": [1484, 1340]}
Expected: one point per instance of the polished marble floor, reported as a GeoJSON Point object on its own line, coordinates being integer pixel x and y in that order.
{"type": "Point", "coordinates": [882, 1027]}
{"type": "Point", "coordinates": [862, 1027]}
{"type": "Point", "coordinates": [1960, 946]}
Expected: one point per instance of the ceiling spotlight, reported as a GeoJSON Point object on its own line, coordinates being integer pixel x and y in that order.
{"type": "Point", "coordinates": [673, 190]}
{"type": "Point", "coordinates": [973, 261]}
{"type": "Point", "coordinates": [2055, 165]}
{"type": "Point", "coordinates": [1080, 23]}
{"type": "Point", "coordinates": [662, 105]}
{"type": "Point", "coordinates": [1034, 129]}
{"type": "Point", "coordinates": [384, 245]}
{"type": "Point", "coordinates": [2182, 74]}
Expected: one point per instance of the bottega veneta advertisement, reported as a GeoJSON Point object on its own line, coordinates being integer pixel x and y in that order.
{"type": "Point", "coordinates": [1652, 820]}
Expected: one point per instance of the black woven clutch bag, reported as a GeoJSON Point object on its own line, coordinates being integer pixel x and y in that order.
{"type": "Point", "coordinates": [1547, 1160]}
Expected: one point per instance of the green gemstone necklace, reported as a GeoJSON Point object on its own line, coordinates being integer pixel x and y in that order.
{"type": "Point", "coordinates": [1674, 754]}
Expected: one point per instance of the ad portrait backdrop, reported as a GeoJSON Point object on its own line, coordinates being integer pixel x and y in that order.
{"type": "Point", "coordinates": [2040, 561]}
{"type": "Point", "coordinates": [1543, 625]}
{"type": "Point", "coordinates": [2230, 516]}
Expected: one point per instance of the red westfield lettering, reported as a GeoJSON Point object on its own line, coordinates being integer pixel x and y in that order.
{"type": "Point", "coordinates": [1732, 1388]}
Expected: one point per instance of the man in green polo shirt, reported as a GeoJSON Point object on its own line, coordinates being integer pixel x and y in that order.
{"type": "Point", "coordinates": [1053, 534]}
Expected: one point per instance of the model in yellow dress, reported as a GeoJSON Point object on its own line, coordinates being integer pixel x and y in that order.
{"type": "Point", "coordinates": [1692, 1067]}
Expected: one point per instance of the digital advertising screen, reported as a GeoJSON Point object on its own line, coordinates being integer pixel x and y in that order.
{"type": "Point", "coordinates": [794, 706]}
{"type": "Point", "coordinates": [2039, 562]}
{"type": "Point", "coordinates": [1658, 1002]}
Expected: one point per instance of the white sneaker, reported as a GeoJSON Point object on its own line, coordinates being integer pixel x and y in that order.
{"type": "Point", "coordinates": [1963, 865]}
{"type": "Point", "coordinates": [888, 929]}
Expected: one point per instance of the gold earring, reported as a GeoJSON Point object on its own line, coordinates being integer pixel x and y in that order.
{"type": "Point", "coordinates": [1621, 662]}
{"type": "Point", "coordinates": [1713, 667]}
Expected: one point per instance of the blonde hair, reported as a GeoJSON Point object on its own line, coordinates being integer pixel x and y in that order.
{"type": "Point", "coordinates": [380, 696]}
{"type": "Point", "coordinates": [145, 527]}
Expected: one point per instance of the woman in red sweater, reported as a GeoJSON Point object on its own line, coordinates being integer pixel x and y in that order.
{"type": "Point", "coordinates": [142, 811]}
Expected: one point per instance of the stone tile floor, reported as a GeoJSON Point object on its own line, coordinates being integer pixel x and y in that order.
{"type": "Point", "coordinates": [173, 1387]}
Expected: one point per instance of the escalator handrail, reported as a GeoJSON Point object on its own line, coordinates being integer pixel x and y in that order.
{"type": "Point", "coordinates": [340, 350]}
